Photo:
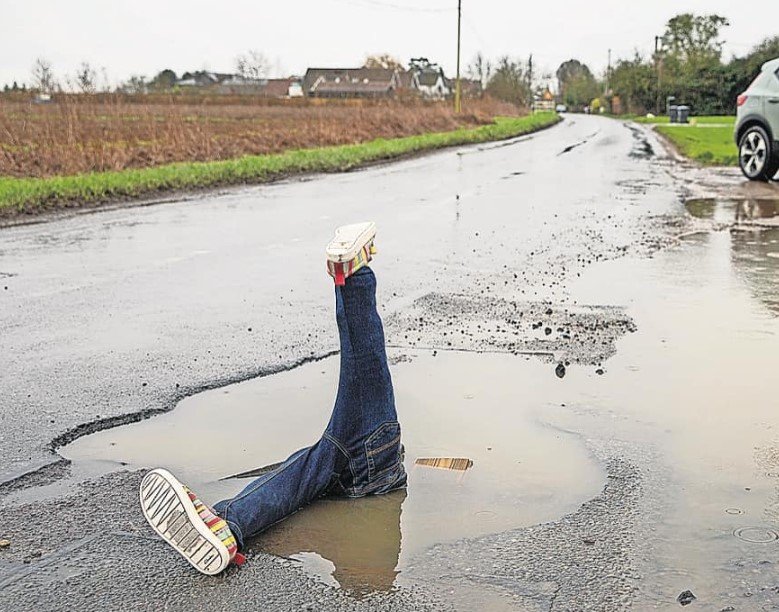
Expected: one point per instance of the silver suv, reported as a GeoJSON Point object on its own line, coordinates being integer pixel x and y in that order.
{"type": "Point", "coordinates": [757, 125]}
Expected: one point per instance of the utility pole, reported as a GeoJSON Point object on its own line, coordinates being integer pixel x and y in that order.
{"type": "Point", "coordinates": [657, 68]}
{"type": "Point", "coordinates": [457, 101]}
{"type": "Point", "coordinates": [608, 74]}
{"type": "Point", "coordinates": [530, 74]}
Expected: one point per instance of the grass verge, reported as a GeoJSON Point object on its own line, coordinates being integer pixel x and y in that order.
{"type": "Point", "coordinates": [707, 140]}
{"type": "Point", "coordinates": [708, 143]}
{"type": "Point", "coordinates": [29, 195]}
{"type": "Point", "coordinates": [704, 120]}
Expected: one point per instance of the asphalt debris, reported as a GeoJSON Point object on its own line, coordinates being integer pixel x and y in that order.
{"type": "Point", "coordinates": [686, 598]}
{"type": "Point", "coordinates": [482, 323]}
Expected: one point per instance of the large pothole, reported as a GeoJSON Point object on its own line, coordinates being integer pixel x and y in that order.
{"type": "Point", "coordinates": [486, 410]}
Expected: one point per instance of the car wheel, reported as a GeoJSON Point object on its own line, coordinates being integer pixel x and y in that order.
{"type": "Point", "coordinates": [756, 157]}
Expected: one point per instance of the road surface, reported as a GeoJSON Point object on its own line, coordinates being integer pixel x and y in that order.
{"type": "Point", "coordinates": [653, 464]}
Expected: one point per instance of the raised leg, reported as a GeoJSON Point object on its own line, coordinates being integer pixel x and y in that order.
{"type": "Point", "coordinates": [360, 451]}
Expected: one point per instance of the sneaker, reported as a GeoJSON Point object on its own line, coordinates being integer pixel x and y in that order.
{"type": "Point", "coordinates": [350, 249]}
{"type": "Point", "coordinates": [187, 524]}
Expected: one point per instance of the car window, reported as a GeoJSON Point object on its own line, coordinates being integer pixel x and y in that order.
{"type": "Point", "coordinates": [756, 82]}
{"type": "Point", "coordinates": [773, 82]}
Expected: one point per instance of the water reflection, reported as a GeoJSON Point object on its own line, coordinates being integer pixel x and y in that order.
{"type": "Point", "coordinates": [360, 537]}
{"type": "Point", "coordinates": [738, 210]}
{"type": "Point", "coordinates": [755, 257]}
{"type": "Point", "coordinates": [751, 209]}
{"type": "Point", "coordinates": [754, 240]}
{"type": "Point", "coordinates": [354, 544]}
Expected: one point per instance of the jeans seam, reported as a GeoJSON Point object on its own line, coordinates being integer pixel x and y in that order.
{"type": "Point", "coordinates": [359, 386]}
{"type": "Point", "coordinates": [341, 447]}
{"type": "Point", "coordinates": [383, 447]}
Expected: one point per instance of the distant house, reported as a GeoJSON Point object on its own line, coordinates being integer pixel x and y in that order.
{"type": "Point", "coordinates": [202, 78]}
{"type": "Point", "coordinates": [406, 82]}
{"type": "Point", "coordinates": [431, 83]}
{"type": "Point", "coordinates": [350, 82]}
{"type": "Point", "coordinates": [223, 83]}
{"type": "Point", "coordinates": [265, 88]}
{"type": "Point", "coordinates": [544, 102]}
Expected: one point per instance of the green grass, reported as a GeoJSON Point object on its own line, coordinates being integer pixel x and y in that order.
{"type": "Point", "coordinates": [707, 142]}
{"type": "Point", "coordinates": [33, 194]}
{"type": "Point", "coordinates": [706, 120]}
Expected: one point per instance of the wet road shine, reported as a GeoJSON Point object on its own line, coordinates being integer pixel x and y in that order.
{"type": "Point", "coordinates": [649, 467]}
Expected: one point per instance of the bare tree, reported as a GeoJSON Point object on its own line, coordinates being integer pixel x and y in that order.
{"type": "Point", "coordinates": [136, 84]}
{"type": "Point", "coordinates": [86, 78]}
{"type": "Point", "coordinates": [509, 81]}
{"type": "Point", "coordinates": [252, 65]}
{"type": "Point", "coordinates": [104, 83]}
{"type": "Point", "coordinates": [383, 60]}
{"type": "Point", "coordinates": [480, 69]}
{"type": "Point", "coordinates": [43, 76]}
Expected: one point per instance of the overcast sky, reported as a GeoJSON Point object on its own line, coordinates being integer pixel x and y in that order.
{"type": "Point", "coordinates": [143, 36]}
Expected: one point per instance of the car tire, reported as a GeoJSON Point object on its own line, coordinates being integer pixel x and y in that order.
{"type": "Point", "coordinates": [756, 155]}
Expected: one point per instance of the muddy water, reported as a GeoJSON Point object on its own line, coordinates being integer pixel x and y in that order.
{"type": "Point", "coordinates": [740, 211]}
{"type": "Point", "coordinates": [697, 384]}
{"type": "Point", "coordinates": [451, 405]}
{"type": "Point", "coordinates": [690, 398]}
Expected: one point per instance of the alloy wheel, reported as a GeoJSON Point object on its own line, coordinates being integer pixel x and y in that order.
{"type": "Point", "coordinates": [753, 153]}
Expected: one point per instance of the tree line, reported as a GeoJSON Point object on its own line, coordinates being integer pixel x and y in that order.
{"type": "Point", "coordinates": [687, 64]}
{"type": "Point", "coordinates": [89, 79]}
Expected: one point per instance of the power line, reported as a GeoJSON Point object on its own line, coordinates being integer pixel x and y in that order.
{"type": "Point", "coordinates": [470, 25]}
{"type": "Point", "coordinates": [397, 7]}
{"type": "Point", "coordinates": [457, 105]}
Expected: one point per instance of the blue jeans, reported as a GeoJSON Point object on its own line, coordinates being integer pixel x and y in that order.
{"type": "Point", "coordinates": [360, 451]}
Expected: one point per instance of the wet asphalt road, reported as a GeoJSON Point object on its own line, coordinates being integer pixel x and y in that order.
{"type": "Point", "coordinates": [111, 316]}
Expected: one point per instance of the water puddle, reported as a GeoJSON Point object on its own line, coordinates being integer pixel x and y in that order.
{"type": "Point", "coordinates": [690, 397]}
{"type": "Point", "coordinates": [479, 456]}
{"type": "Point", "coordinates": [762, 211]}
{"type": "Point", "coordinates": [756, 535]}
{"type": "Point", "coordinates": [697, 382]}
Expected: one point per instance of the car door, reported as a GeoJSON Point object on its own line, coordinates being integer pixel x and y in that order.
{"type": "Point", "coordinates": [771, 105]}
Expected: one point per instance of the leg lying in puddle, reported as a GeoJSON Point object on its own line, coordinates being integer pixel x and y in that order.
{"type": "Point", "coordinates": [359, 453]}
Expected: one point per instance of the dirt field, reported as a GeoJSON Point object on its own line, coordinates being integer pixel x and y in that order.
{"type": "Point", "coordinates": [77, 134]}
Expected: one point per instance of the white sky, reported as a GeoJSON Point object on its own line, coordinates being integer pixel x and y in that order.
{"type": "Point", "coordinates": [143, 36]}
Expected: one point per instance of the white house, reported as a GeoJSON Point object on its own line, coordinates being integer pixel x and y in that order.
{"type": "Point", "coordinates": [431, 83]}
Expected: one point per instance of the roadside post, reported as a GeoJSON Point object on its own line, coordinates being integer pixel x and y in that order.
{"type": "Point", "coordinates": [457, 102]}
{"type": "Point", "coordinates": [668, 101]}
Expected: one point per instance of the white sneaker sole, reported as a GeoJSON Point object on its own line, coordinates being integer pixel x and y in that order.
{"type": "Point", "coordinates": [348, 241]}
{"type": "Point", "coordinates": [172, 515]}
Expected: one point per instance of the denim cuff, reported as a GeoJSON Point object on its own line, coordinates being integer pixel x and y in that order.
{"type": "Point", "coordinates": [236, 532]}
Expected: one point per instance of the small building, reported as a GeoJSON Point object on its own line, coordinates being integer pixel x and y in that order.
{"type": "Point", "coordinates": [350, 82]}
{"type": "Point", "coordinates": [264, 88]}
{"type": "Point", "coordinates": [406, 82]}
{"type": "Point", "coordinates": [431, 83]}
{"type": "Point", "coordinates": [544, 102]}
{"type": "Point", "coordinates": [203, 79]}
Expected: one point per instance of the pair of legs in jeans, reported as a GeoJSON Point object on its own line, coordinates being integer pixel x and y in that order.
{"type": "Point", "coordinates": [359, 453]}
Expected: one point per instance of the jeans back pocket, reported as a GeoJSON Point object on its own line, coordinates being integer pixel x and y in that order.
{"type": "Point", "coordinates": [382, 450]}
